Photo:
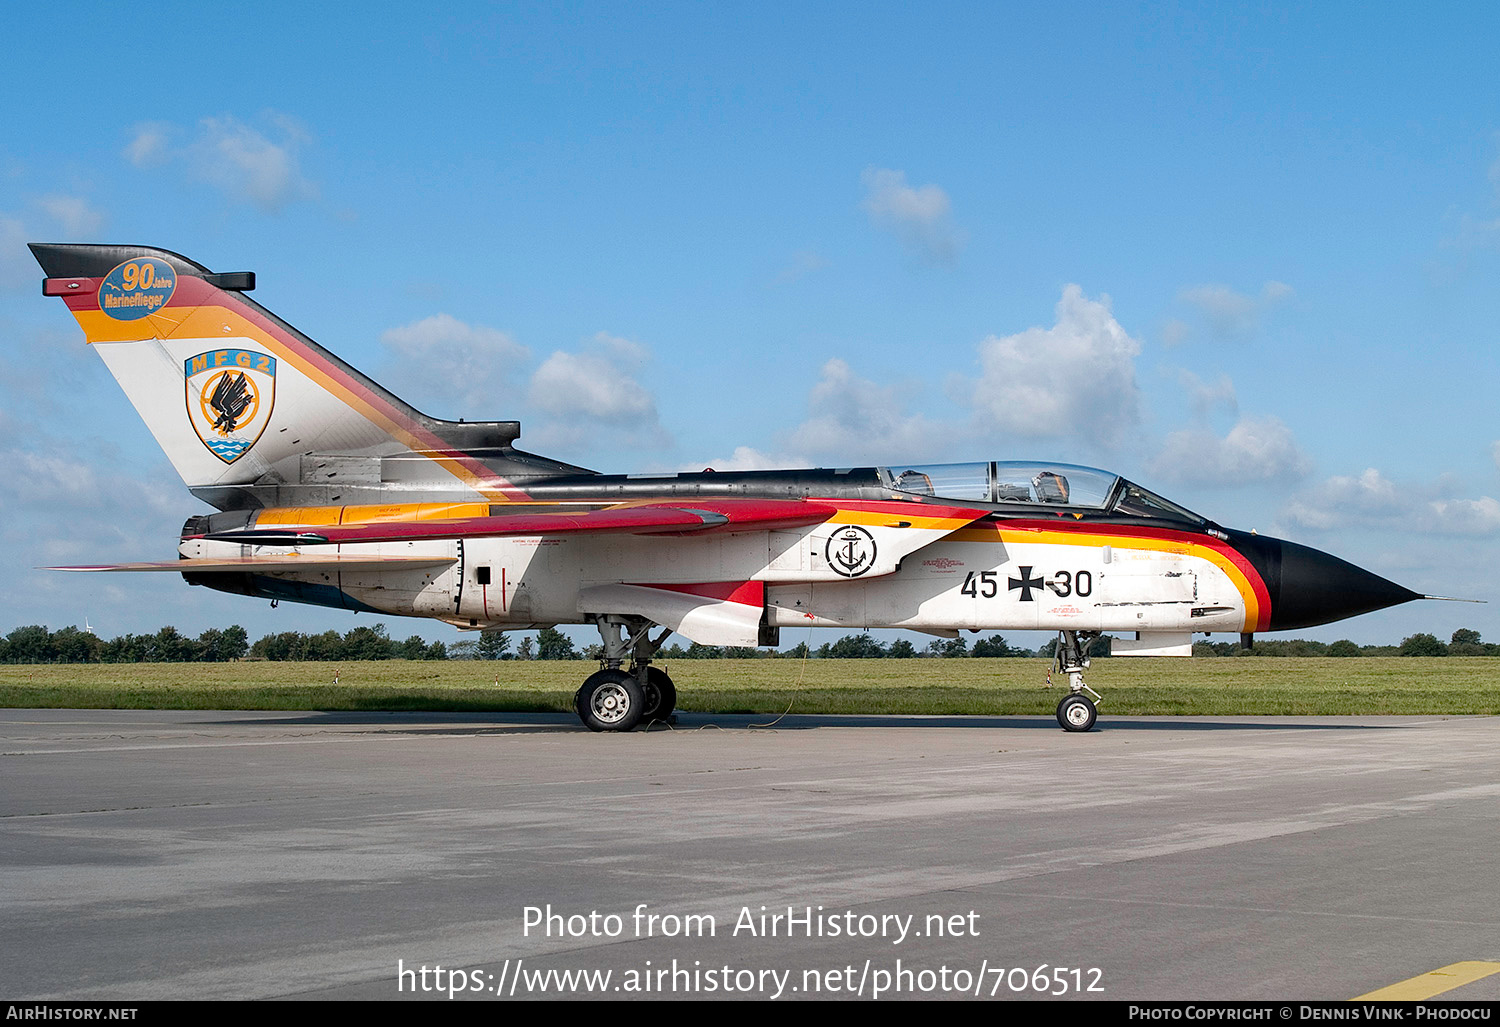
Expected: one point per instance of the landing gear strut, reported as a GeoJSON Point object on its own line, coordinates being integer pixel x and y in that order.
{"type": "Point", "coordinates": [615, 699]}
{"type": "Point", "coordinates": [1076, 712]}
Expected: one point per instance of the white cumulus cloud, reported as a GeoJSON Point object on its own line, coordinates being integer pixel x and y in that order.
{"type": "Point", "coordinates": [112, 513]}
{"type": "Point", "coordinates": [1207, 397]}
{"type": "Point", "coordinates": [1076, 378]}
{"type": "Point", "coordinates": [246, 164]}
{"type": "Point", "coordinates": [51, 218]}
{"type": "Point", "coordinates": [1372, 499]}
{"type": "Point", "coordinates": [1224, 313]}
{"type": "Point", "coordinates": [442, 362]}
{"type": "Point", "coordinates": [920, 217]}
{"type": "Point", "coordinates": [1255, 449]}
{"type": "Point", "coordinates": [854, 420]}
{"type": "Point", "coordinates": [1465, 516]}
{"type": "Point", "coordinates": [148, 148]}
{"type": "Point", "coordinates": [595, 389]}
{"type": "Point", "coordinates": [73, 213]}
{"type": "Point", "coordinates": [745, 458]}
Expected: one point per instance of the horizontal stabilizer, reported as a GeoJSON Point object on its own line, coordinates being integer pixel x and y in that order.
{"type": "Point", "coordinates": [268, 564]}
{"type": "Point", "coordinates": [693, 518]}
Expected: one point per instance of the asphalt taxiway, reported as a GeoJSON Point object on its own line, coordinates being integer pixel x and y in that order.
{"type": "Point", "coordinates": [149, 855]}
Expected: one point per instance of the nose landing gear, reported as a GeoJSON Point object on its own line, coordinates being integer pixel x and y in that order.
{"type": "Point", "coordinates": [1076, 712]}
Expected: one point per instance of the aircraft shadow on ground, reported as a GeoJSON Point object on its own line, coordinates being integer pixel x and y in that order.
{"type": "Point", "coordinates": [419, 723]}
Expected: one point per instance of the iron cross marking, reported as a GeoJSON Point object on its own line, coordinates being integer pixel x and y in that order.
{"type": "Point", "coordinates": [1025, 583]}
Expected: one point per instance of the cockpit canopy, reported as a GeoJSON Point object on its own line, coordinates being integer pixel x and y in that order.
{"type": "Point", "coordinates": [1054, 486]}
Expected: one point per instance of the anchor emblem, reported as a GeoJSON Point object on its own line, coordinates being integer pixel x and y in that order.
{"type": "Point", "coordinates": [850, 551]}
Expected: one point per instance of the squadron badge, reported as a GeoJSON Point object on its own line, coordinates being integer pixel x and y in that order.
{"type": "Point", "coordinates": [229, 397]}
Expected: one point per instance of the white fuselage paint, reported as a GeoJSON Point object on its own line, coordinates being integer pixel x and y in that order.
{"type": "Point", "coordinates": [985, 585]}
{"type": "Point", "coordinates": [934, 584]}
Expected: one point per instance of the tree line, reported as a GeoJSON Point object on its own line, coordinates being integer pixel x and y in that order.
{"type": "Point", "coordinates": [34, 643]}
{"type": "Point", "coordinates": [1464, 642]}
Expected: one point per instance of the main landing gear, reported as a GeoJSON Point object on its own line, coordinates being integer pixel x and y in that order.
{"type": "Point", "coordinates": [613, 699]}
{"type": "Point", "coordinates": [1076, 712]}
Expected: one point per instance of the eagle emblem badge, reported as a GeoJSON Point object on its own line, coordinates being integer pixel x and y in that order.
{"type": "Point", "coordinates": [230, 393]}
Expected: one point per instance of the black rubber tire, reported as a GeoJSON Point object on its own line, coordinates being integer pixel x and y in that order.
{"type": "Point", "coordinates": [1076, 713]}
{"type": "Point", "coordinates": [610, 701]}
{"type": "Point", "coordinates": [660, 695]}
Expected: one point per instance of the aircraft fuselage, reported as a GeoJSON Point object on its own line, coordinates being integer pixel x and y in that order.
{"type": "Point", "coordinates": [884, 558]}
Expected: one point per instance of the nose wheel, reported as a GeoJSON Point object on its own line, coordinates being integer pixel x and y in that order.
{"type": "Point", "coordinates": [1076, 713]}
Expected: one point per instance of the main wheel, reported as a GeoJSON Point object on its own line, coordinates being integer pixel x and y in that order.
{"type": "Point", "coordinates": [610, 701]}
{"type": "Point", "coordinates": [660, 694]}
{"type": "Point", "coordinates": [1076, 713]}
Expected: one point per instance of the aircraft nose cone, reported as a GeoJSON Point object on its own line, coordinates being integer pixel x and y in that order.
{"type": "Point", "coordinates": [1309, 587]}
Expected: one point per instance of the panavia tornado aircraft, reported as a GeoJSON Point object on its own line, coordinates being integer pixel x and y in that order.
{"type": "Point", "coordinates": [331, 491]}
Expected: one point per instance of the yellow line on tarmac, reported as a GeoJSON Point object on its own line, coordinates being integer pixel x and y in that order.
{"type": "Point", "coordinates": [1432, 983]}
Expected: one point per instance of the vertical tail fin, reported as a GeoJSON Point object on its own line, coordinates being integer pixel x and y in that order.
{"type": "Point", "coordinates": [242, 402]}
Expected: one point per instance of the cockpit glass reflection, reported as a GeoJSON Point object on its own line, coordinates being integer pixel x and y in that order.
{"type": "Point", "coordinates": [1008, 483]}
{"type": "Point", "coordinates": [1053, 485]}
{"type": "Point", "coordinates": [945, 481]}
{"type": "Point", "coordinates": [1135, 501]}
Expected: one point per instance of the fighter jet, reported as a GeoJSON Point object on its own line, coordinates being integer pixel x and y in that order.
{"type": "Point", "coordinates": [331, 491]}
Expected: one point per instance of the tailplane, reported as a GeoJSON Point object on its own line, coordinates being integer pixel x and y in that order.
{"type": "Point", "coordinates": [250, 411]}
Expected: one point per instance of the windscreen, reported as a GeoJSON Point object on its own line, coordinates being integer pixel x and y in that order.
{"type": "Point", "coordinates": [1135, 501]}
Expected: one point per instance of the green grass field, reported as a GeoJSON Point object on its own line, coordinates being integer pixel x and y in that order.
{"type": "Point", "coordinates": [1243, 685]}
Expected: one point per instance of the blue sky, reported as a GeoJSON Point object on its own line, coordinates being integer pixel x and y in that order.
{"type": "Point", "coordinates": [1245, 254]}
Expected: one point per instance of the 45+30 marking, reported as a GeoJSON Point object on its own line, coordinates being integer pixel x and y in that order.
{"type": "Point", "coordinates": [986, 584]}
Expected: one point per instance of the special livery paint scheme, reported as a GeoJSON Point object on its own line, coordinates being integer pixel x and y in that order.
{"type": "Point", "coordinates": [332, 491]}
